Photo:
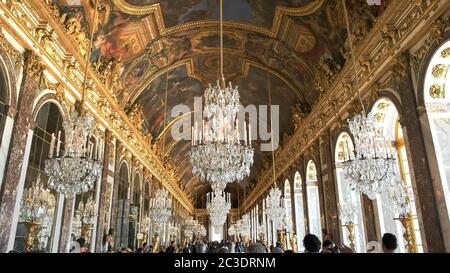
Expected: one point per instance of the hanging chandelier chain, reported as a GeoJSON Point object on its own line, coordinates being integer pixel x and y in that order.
{"type": "Point", "coordinates": [89, 54]}
{"type": "Point", "coordinates": [352, 52]}
{"type": "Point", "coordinates": [271, 129]}
{"type": "Point", "coordinates": [165, 116]}
{"type": "Point", "coordinates": [222, 76]}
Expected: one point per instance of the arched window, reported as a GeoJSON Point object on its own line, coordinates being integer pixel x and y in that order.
{"type": "Point", "coordinates": [388, 121]}
{"type": "Point", "coordinates": [344, 151]}
{"type": "Point", "coordinates": [3, 102]}
{"type": "Point", "coordinates": [437, 102]}
{"type": "Point", "coordinates": [48, 121]}
{"type": "Point", "coordinates": [312, 191]}
{"type": "Point", "coordinates": [299, 210]}
{"type": "Point", "coordinates": [123, 208]}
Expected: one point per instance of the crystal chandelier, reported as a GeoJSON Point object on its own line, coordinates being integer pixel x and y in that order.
{"type": "Point", "coordinates": [199, 230]}
{"type": "Point", "coordinates": [218, 204]}
{"type": "Point", "coordinates": [242, 226]}
{"type": "Point", "coordinates": [218, 154]}
{"type": "Point", "coordinates": [35, 202]}
{"type": "Point", "coordinates": [160, 208]}
{"type": "Point", "coordinates": [398, 194]}
{"type": "Point", "coordinates": [77, 169]}
{"type": "Point", "coordinates": [372, 169]}
{"type": "Point", "coordinates": [189, 227]}
{"type": "Point", "coordinates": [275, 209]}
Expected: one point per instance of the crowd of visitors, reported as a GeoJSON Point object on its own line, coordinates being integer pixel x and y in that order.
{"type": "Point", "coordinates": [311, 244]}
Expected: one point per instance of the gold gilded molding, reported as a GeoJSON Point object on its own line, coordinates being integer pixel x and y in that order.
{"type": "Point", "coordinates": [445, 53]}
{"type": "Point", "coordinates": [280, 12]}
{"type": "Point", "coordinates": [436, 91]}
{"type": "Point", "coordinates": [439, 71]}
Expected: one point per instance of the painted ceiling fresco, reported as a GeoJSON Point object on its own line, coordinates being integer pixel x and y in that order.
{"type": "Point", "coordinates": [302, 43]}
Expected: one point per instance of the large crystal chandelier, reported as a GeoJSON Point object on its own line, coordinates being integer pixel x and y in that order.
{"type": "Point", "coordinates": [275, 209]}
{"type": "Point", "coordinates": [77, 169]}
{"type": "Point", "coordinates": [218, 204]}
{"type": "Point", "coordinates": [373, 166]}
{"type": "Point", "coordinates": [218, 154]}
{"type": "Point", "coordinates": [160, 208]}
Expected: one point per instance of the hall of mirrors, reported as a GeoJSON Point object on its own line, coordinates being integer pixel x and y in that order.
{"type": "Point", "coordinates": [357, 113]}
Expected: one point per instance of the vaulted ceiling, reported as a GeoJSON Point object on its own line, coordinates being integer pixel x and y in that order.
{"type": "Point", "coordinates": [296, 44]}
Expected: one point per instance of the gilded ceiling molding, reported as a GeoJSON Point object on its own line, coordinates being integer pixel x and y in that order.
{"type": "Point", "coordinates": [280, 12]}
{"type": "Point", "coordinates": [383, 44]}
{"type": "Point", "coordinates": [35, 27]}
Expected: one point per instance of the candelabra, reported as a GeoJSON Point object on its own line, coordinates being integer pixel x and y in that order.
{"type": "Point", "coordinates": [88, 216]}
{"type": "Point", "coordinates": [347, 213]}
{"type": "Point", "coordinates": [261, 233]}
{"type": "Point", "coordinates": [293, 241]}
{"type": "Point", "coordinates": [145, 226]}
{"type": "Point", "coordinates": [282, 238]}
{"type": "Point", "coordinates": [33, 210]}
{"type": "Point", "coordinates": [401, 202]}
{"type": "Point", "coordinates": [351, 237]}
{"type": "Point", "coordinates": [155, 243]}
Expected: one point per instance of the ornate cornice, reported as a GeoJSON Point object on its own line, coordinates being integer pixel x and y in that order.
{"type": "Point", "coordinates": [36, 28]}
{"type": "Point", "coordinates": [400, 27]}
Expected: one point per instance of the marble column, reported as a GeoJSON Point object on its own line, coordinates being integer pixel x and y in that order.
{"type": "Point", "coordinates": [322, 190]}
{"type": "Point", "coordinates": [33, 69]}
{"type": "Point", "coordinates": [115, 192]}
{"type": "Point", "coordinates": [329, 182]}
{"type": "Point", "coordinates": [103, 206]}
{"type": "Point", "coordinates": [370, 223]}
{"type": "Point", "coordinates": [66, 225]}
{"type": "Point", "coordinates": [415, 147]}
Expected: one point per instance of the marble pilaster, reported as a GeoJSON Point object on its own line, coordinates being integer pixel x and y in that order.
{"type": "Point", "coordinates": [23, 122]}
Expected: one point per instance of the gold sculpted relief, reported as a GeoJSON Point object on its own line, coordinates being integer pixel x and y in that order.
{"type": "Point", "coordinates": [439, 71]}
{"type": "Point", "coordinates": [436, 91]}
